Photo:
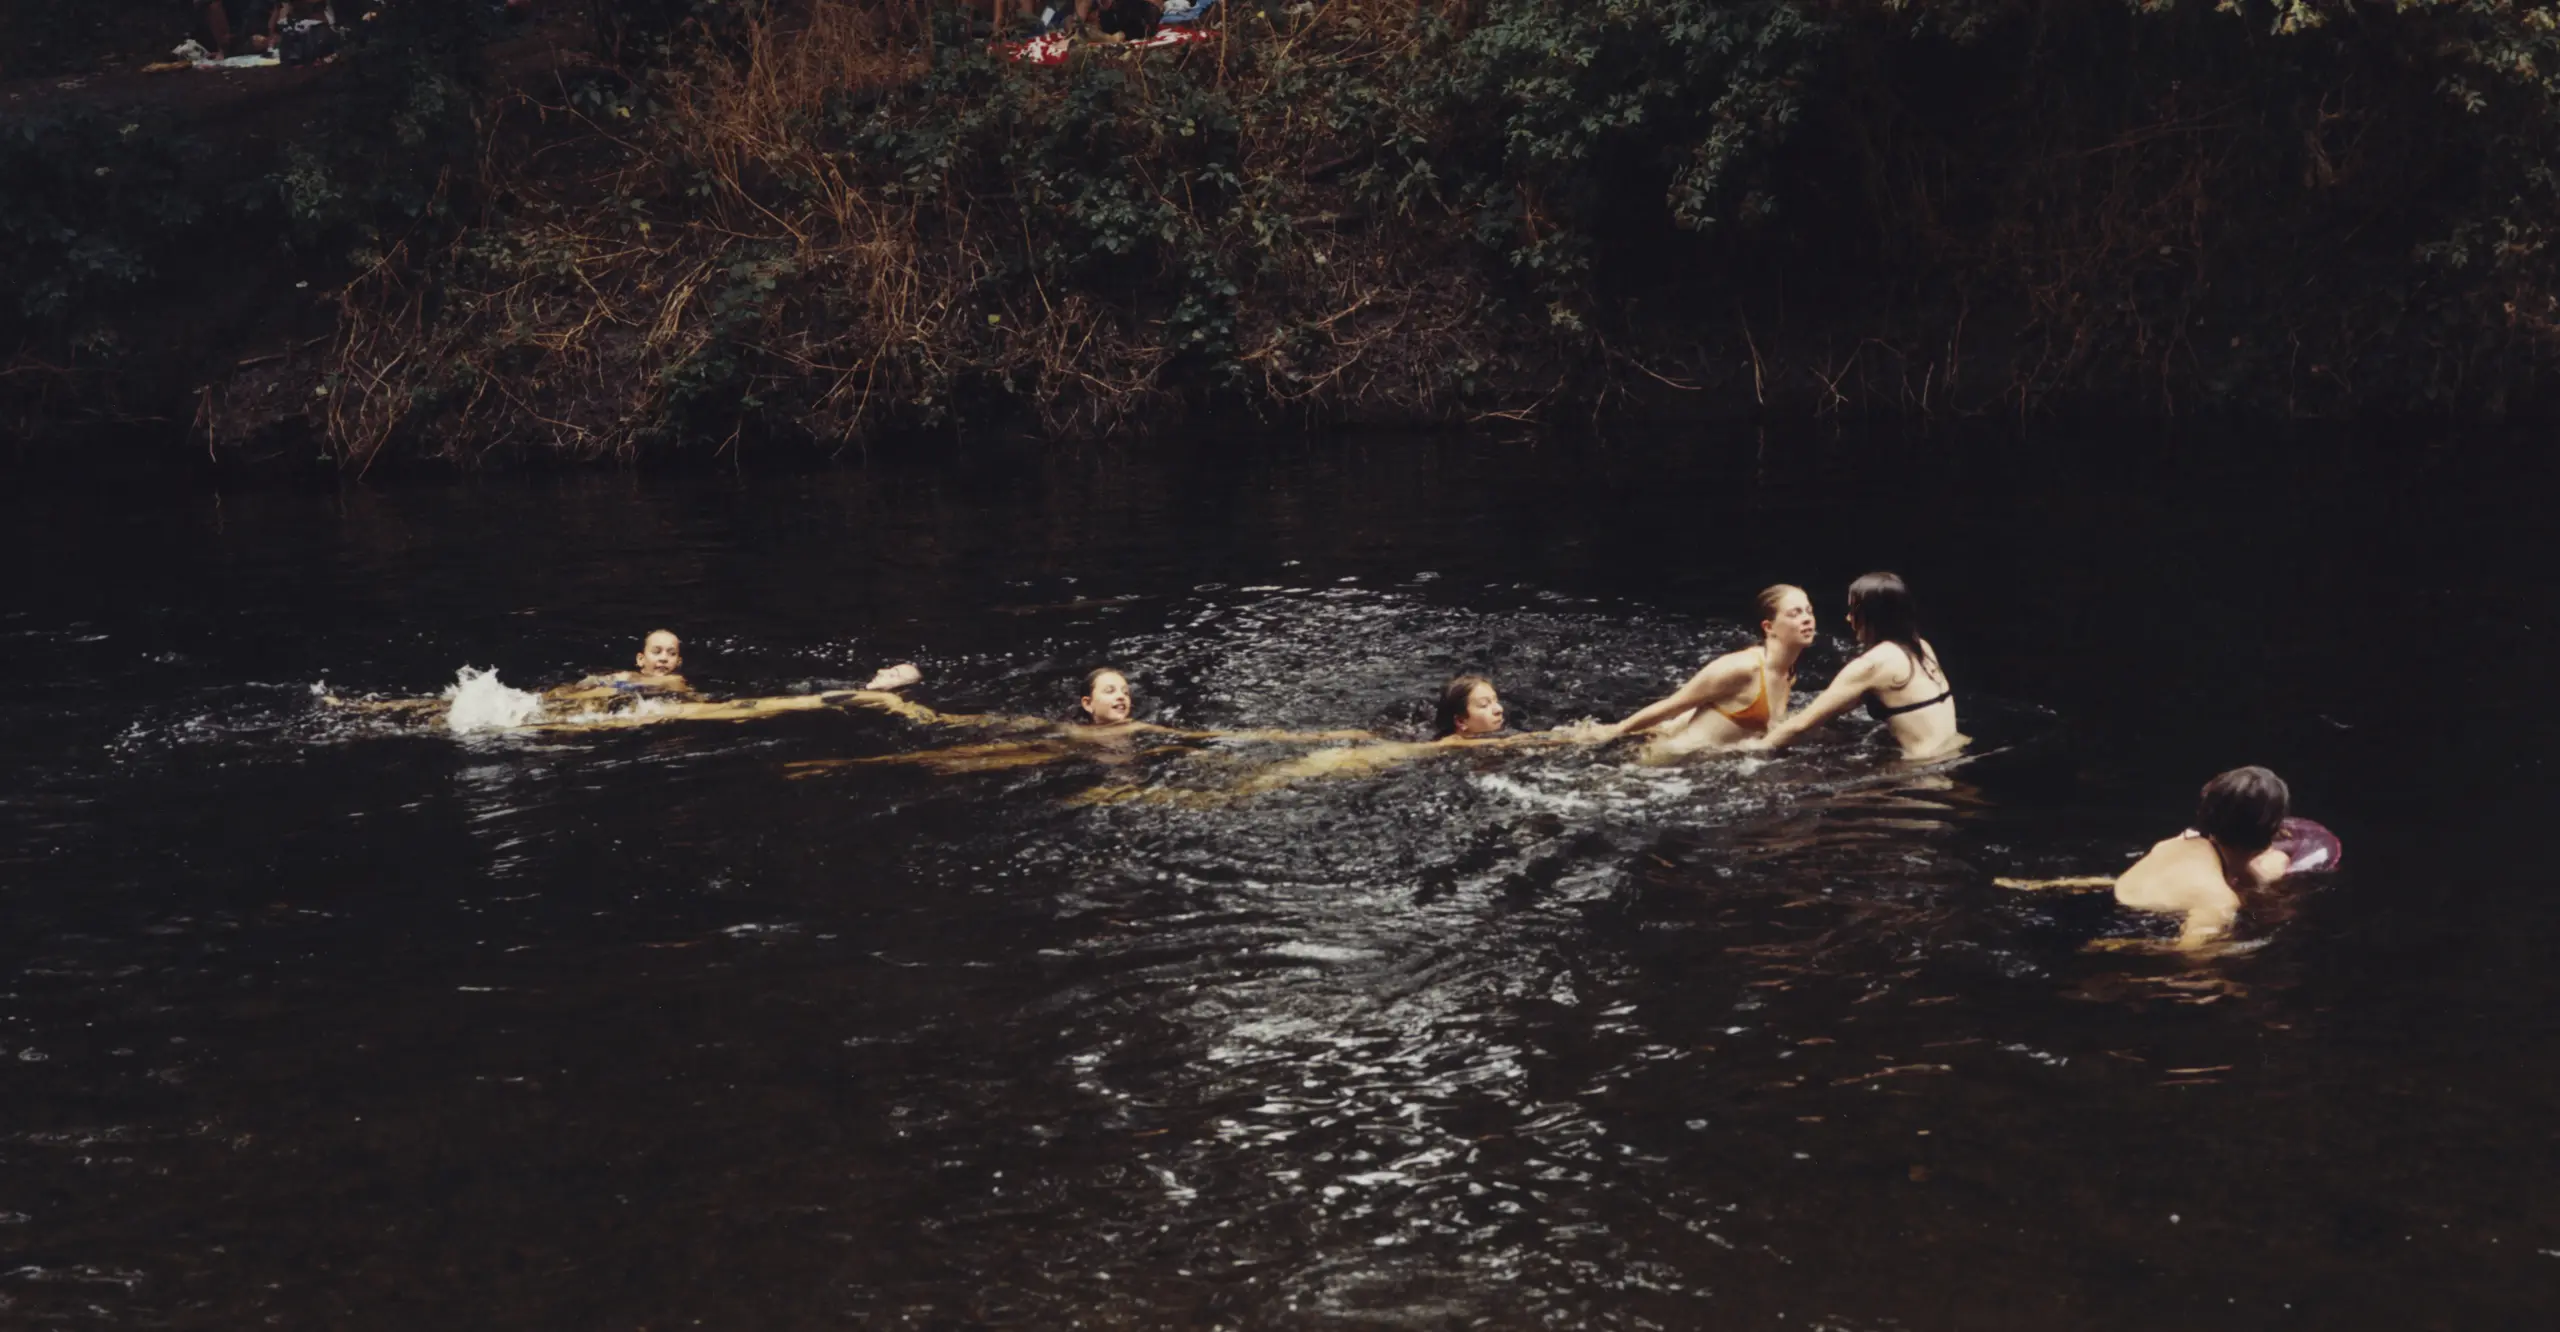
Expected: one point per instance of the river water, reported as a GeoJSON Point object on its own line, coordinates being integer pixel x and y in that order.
{"type": "Point", "coordinates": [316, 1022]}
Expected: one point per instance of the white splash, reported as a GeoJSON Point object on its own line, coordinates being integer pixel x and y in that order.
{"type": "Point", "coordinates": [480, 703]}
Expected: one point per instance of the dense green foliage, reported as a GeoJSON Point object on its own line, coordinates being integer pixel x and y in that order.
{"type": "Point", "coordinates": [89, 208]}
{"type": "Point", "coordinates": [52, 39]}
{"type": "Point", "coordinates": [811, 217]}
{"type": "Point", "coordinates": [131, 239]}
{"type": "Point", "coordinates": [402, 121]}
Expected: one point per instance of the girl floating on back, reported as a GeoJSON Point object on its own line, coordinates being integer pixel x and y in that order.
{"type": "Point", "coordinates": [1467, 711]}
{"type": "Point", "coordinates": [1897, 673]}
{"type": "Point", "coordinates": [652, 691]}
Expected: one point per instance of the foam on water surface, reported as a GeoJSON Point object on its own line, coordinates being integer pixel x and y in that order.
{"type": "Point", "coordinates": [480, 703]}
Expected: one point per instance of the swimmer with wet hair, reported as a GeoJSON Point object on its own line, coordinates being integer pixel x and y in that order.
{"type": "Point", "coordinates": [1106, 700]}
{"type": "Point", "coordinates": [673, 702]}
{"type": "Point", "coordinates": [2200, 874]}
{"type": "Point", "coordinates": [1896, 672]}
{"type": "Point", "coordinates": [1469, 709]}
{"type": "Point", "coordinates": [2243, 843]}
{"type": "Point", "coordinates": [1100, 725]}
{"type": "Point", "coordinates": [655, 670]}
{"type": "Point", "coordinates": [660, 659]}
{"type": "Point", "coordinates": [1736, 696]}
{"type": "Point", "coordinates": [652, 691]}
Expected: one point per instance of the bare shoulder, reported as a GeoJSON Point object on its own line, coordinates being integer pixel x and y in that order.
{"type": "Point", "coordinates": [2165, 878]}
{"type": "Point", "coordinates": [1732, 667]}
{"type": "Point", "coordinates": [1883, 661]}
{"type": "Point", "coordinates": [2162, 851]}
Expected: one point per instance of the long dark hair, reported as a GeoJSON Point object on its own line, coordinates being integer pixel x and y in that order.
{"type": "Point", "coordinates": [1453, 704]}
{"type": "Point", "coordinates": [1882, 610]}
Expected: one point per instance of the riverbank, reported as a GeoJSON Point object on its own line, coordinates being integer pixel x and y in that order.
{"type": "Point", "coordinates": [817, 226]}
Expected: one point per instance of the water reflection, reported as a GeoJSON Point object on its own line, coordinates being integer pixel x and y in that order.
{"type": "Point", "coordinates": [325, 1021]}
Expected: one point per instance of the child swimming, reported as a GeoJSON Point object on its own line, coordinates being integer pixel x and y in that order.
{"type": "Point", "coordinates": [655, 669]}
{"type": "Point", "coordinates": [654, 690]}
{"type": "Point", "coordinates": [1467, 712]}
{"type": "Point", "coordinates": [1106, 705]}
{"type": "Point", "coordinates": [1469, 708]}
{"type": "Point", "coordinates": [1102, 725]}
{"type": "Point", "coordinates": [2243, 843]}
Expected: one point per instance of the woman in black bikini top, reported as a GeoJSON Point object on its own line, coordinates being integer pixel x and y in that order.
{"type": "Point", "coordinates": [1897, 674]}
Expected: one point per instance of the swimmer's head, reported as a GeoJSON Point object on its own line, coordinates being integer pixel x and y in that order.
{"type": "Point", "coordinates": [661, 653]}
{"type": "Point", "coordinates": [2242, 809]}
{"type": "Point", "coordinates": [1106, 697]}
{"type": "Point", "coordinates": [1468, 706]}
{"type": "Point", "coordinates": [1882, 610]}
{"type": "Point", "coordinates": [1786, 614]}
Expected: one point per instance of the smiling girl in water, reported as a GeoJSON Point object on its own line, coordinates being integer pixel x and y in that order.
{"type": "Point", "coordinates": [1102, 728]}
{"type": "Point", "coordinates": [1106, 702]}
{"type": "Point", "coordinates": [1736, 696]}
{"type": "Point", "coordinates": [656, 668]}
{"type": "Point", "coordinates": [1467, 711]}
{"type": "Point", "coordinates": [1896, 672]}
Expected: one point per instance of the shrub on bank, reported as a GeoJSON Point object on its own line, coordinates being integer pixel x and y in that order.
{"type": "Point", "coordinates": [823, 219]}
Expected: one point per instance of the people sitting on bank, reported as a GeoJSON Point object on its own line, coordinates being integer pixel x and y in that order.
{"type": "Point", "coordinates": [1119, 20]}
{"type": "Point", "coordinates": [235, 27]}
{"type": "Point", "coordinates": [295, 31]}
{"type": "Point", "coordinates": [1896, 673]}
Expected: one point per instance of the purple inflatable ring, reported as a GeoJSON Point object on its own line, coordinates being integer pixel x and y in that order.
{"type": "Point", "coordinates": [2308, 847]}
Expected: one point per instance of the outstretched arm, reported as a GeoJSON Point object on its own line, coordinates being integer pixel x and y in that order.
{"type": "Point", "coordinates": [881, 700]}
{"type": "Point", "coordinates": [2070, 883]}
{"type": "Point", "coordinates": [1282, 735]}
{"type": "Point", "coordinates": [1843, 693]}
{"type": "Point", "coordinates": [1710, 685]}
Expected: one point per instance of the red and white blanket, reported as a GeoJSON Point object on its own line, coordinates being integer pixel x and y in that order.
{"type": "Point", "coordinates": [1052, 48]}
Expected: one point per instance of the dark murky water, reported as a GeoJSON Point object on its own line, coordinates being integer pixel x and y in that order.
{"type": "Point", "coordinates": [313, 1025]}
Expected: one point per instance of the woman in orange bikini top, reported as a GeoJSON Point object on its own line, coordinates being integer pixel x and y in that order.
{"type": "Point", "coordinates": [1754, 716]}
{"type": "Point", "coordinates": [1739, 694]}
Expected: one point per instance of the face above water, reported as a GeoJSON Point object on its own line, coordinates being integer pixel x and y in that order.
{"type": "Point", "coordinates": [1484, 712]}
{"type": "Point", "coordinates": [1794, 623]}
{"type": "Point", "coordinates": [1108, 704]}
{"type": "Point", "coordinates": [660, 654]}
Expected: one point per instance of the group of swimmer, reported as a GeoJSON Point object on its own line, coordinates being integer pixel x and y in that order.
{"type": "Point", "coordinates": [2242, 844]}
